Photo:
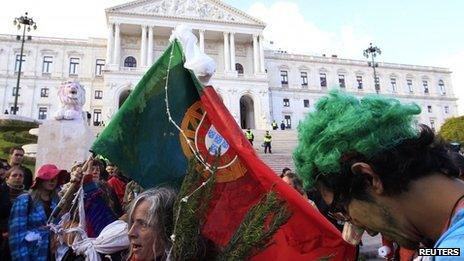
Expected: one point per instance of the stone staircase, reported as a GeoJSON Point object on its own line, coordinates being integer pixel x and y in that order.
{"type": "Point", "coordinates": [283, 144]}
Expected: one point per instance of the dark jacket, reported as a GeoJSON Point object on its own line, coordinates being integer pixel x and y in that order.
{"type": "Point", "coordinates": [5, 208]}
{"type": "Point", "coordinates": [27, 177]}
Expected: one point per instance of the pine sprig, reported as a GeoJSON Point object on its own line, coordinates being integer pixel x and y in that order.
{"type": "Point", "coordinates": [192, 212]}
{"type": "Point", "coordinates": [326, 258]}
{"type": "Point", "coordinates": [257, 228]}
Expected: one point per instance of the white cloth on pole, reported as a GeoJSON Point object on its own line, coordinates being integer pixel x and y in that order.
{"type": "Point", "coordinates": [196, 60]}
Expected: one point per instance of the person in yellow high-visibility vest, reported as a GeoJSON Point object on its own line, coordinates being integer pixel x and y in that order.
{"type": "Point", "coordinates": [249, 135]}
{"type": "Point", "coordinates": [274, 125]}
{"type": "Point", "coordinates": [267, 142]}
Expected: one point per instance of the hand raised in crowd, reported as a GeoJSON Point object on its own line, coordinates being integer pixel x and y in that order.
{"type": "Point", "coordinates": [79, 172]}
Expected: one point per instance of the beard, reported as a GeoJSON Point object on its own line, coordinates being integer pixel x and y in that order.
{"type": "Point", "coordinates": [395, 232]}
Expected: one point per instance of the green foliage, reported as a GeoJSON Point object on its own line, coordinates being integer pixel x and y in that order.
{"type": "Point", "coordinates": [259, 225]}
{"type": "Point", "coordinates": [16, 133]}
{"type": "Point", "coordinates": [257, 228]}
{"type": "Point", "coordinates": [326, 258]}
{"type": "Point", "coordinates": [14, 125]}
{"type": "Point", "coordinates": [453, 129]}
{"type": "Point", "coordinates": [191, 213]}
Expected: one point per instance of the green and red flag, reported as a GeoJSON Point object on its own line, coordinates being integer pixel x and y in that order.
{"type": "Point", "coordinates": [169, 118]}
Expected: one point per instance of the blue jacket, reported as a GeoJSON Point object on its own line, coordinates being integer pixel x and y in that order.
{"type": "Point", "coordinates": [29, 217]}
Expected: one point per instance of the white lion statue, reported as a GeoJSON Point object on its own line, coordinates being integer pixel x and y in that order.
{"type": "Point", "coordinates": [72, 98]}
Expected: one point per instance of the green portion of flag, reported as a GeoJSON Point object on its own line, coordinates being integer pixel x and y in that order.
{"type": "Point", "coordinates": [140, 140]}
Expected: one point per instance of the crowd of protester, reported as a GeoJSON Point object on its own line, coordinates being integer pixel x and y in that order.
{"type": "Point", "coordinates": [26, 208]}
{"type": "Point", "coordinates": [28, 203]}
{"type": "Point", "coordinates": [108, 195]}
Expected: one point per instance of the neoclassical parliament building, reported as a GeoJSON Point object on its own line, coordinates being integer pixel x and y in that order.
{"type": "Point", "coordinates": [258, 85]}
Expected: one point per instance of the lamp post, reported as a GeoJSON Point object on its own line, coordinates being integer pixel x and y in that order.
{"type": "Point", "coordinates": [372, 51]}
{"type": "Point", "coordinates": [23, 22]}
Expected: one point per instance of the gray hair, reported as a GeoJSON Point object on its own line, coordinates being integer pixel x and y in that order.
{"type": "Point", "coordinates": [160, 213]}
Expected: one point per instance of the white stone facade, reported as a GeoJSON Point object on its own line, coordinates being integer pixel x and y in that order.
{"type": "Point", "coordinates": [408, 85]}
{"type": "Point", "coordinates": [248, 78]}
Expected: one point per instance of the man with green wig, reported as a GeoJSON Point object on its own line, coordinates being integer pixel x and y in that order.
{"type": "Point", "coordinates": [381, 171]}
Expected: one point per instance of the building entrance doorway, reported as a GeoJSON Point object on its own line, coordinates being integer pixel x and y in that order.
{"type": "Point", "coordinates": [247, 112]}
{"type": "Point", "coordinates": [123, 97]}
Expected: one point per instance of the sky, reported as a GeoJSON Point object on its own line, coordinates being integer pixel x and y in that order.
{"type": "Point", "coordinates": [421, 32]}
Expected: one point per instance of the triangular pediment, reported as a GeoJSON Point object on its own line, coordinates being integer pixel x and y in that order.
{"type": "Point", "coordinates": [214, 10]}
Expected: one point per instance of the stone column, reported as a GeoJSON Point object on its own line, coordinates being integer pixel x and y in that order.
{"type": "Point", "coordinates": [261, 54]}
{"type": "Point", "coordinates": [143, 47]}
{"type": "Point", "coordinates": [201, 33]}
{"type": "Point", "coordinates": [117, 45]}
{"type": "Point", "coordinates": [110, 45]}
{"type": "Point", "coordinates": [150, 47]}
{"type": "Point", "coordinates": [232, 51]}
{"type": "Point", "coordinates": [226, 52]}
{"type": "Point", "coordinates": [255, 54]}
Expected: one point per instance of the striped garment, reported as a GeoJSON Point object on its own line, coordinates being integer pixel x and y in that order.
{"type": "Point", "coordinates": [29, 219]}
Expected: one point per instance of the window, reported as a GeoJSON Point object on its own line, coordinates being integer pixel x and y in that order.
{"type": "Point", "coordinates": [359, 79]}
{"type": "Point", "coordinates": [97, 116]}
{"type": "Point", "coordinates": [99, 67]}
{"type": "Point", "coordinates": [13, 93]}
{"type": "Point", "coordinates": [286, 102]}
{"type": "Point", "coordinates": [409, 83]}
{"type": "Point", "coordinates": [393, 84]}
{"type": "Point", "coordinates": [446, 109]}
{"type": "Point", "coordinates": [44, 92]}
{"type": "Point", "coordinates": [288, 121]}
{"type": "Point", "coordinates": [441, 86]}
{"type": "Point", "coordinates": [304, 78]}
{"type": "Point", "coordinates": [73, 66]}
{"type": "Point", "coordinates": [47, 64]}
{"type": "Point", "coordinates": [306, 103]}
{"type": "Point", "coordinates": [429, 108]}
{"type": "Point", "coordinates": [239, 68]}
{"type": "Point", "coordinates": [130, 62]}
{"type": "Point", "coordinates": [98, 95]}
{"type": "Point", "coordinates": [432, 124]}
{"type": "Point", "coordinates": [18, 60]}
{"type": "Point", "coordinates": [426, 86]}
{"type": "Point", "coordinates": [42, 113]}
{"type": "Point", "coordinates": [284, 77]}
{"type": "Point", "coordinates": [323, 78]}
{"type": "Point", "coordinates": [12, 109]}
{"type": "Point", "coordinates": [341, 81]}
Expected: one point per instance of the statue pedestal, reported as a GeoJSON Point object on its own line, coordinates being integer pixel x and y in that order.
{"type": "Point", "coordinates": [63, 142]}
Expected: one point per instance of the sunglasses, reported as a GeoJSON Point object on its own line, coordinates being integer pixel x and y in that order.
{"type": "Point", "coordinates": [338, 209]}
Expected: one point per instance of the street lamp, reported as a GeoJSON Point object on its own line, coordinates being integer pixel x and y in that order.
{"type": "Point", "coordinates": [372, 51]}
{"type": "Point", "coordinates": [26, 23]}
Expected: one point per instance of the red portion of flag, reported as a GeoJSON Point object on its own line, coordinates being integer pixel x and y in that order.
{"type": "Point", "coordinates": [306, 236]}
{"type": "Point", "coordinates": [228, 206]}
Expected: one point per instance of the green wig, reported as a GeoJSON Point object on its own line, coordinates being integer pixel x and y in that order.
{"type": "Point", "coordinates": [343, 124]}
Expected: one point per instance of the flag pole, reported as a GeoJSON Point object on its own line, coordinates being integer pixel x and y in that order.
{"type": "Point", "coordinates": [66, 200]}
